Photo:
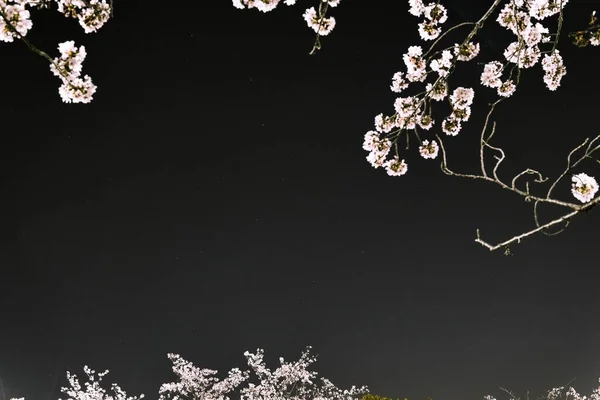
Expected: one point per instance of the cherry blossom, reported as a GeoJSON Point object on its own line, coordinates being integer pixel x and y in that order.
{"type": "Point", "coordinates": [429, 150]}
{"type": "Point", "coordinates": [396, 167]}
{"type": "Point", "coordinates": [584, 187]}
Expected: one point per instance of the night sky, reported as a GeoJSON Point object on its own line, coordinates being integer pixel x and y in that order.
{"type": "Point", "coordinates": [215, 198]}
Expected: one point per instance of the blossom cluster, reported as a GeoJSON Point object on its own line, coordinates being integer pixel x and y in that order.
{"type": "Point", "coordinates": [414, 112]}
{"type": "Point", "coordinates": [411, 112]}
{"type": "Point", "coordinates": [93, 388]}
{"type": "Point", "coordinates": [491, 77]}
{"type": "Point", "coordinates": [91, 14]}
{"type": "Point", "coordinates": [291, 380]}
{"type": "Point", "coordinates": [316, 20]}
{"type": "Point", "coordinates": [68, 67]}
{"type": "Point", "coordinates": [584, 187]}
{"type": "Point", "coordinates": [558, 393]}
{"type": "Point", "coordinates": [435, 15]}
{"type": "Point", "coordinates": [523, 18]}
{"type": "Point", "coordinates": [15, 23]}
{"type": "Point", "coordinates": [261, 5]}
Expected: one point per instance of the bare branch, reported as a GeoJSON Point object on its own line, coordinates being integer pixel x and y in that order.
{"type": "Point", "coordinates": [564, 219]}
{"type": "Point", "coordinates": [529, 171]}
{"type": "Point", "coordinates": [509, 392]}
{"type": "Point", "coordinates": [526, 234]}
{"type": "Point", "coordinates": [526, 195]}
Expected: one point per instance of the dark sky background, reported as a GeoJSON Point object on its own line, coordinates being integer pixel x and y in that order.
{"type": "Point", "coordinates": [215, 198]}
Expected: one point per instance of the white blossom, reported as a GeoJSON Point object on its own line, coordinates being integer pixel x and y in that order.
{"type": "Point", "coordinates": [584, 187]}
{"type": "Point", "coordinates": [439, 91]}
{"type": "Point", "coordinates": [429, 30]}
{"type": "Point", "coordinates": [466, 52]}
{"type": "Point", "coordinates": [321, 25]}
{"type": "Point", "coordinates": [415, 64]}
{"type": "Point", "coordinates": [19, 21]}
{"type": "Point", "coordinates": [93, 388]}
{"type": "Point", "coordinates": [436, 13]}
{"type": "Point", "coordinates": [384, 124]}
{"type": "Point", "coordinates": [377, 147]}
{"type": "Point", "coordinates": [442, 65]}
{"type": "Point", "coordinates": [554, 70]}
{"type": "Point", "coordinates": [395, 167]}
{"type": "Point", "coordinates": [462, 114]}
{"type": "Point", "coordinates": [523, 56]}
{"type": "Point", "coordinates": [462, 97]}
{"type": "Point", "coordinates": [67, 67]}
{"type": "Point", "coordinates": [398, 82]}
{"type": "Point", "coordinates": [506, 89]}
{"type": "Point", "coordinates": [534, 34]}
{"type": "Point", "coordinates": [77, 90]}
{"type": "Point", "coordinates": [429, 150]}
{"type": "Point", "coordinates": [261, 5]}
{"type": "Point", "coordinates": [451, 126]}
{"type": "Point", "coordinates": [492, 72]}
{"type": "Point", "coordinates": [407, 106]}
{"type": "Point", "coordinates": [94, 15]}
{"type": "Point", "coordinates": [417, 8]}
{"type": "Point", "coordinates": [512, 18]}
{"type": "Point", "coordinates": [70, 61]}
{"type": "Point", "coordinates": [541, 9]}
{"type": "Point", "coordinates": [425, 122]}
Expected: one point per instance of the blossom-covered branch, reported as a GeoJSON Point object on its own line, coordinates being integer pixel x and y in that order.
{"type": "Point", "coordinates": [15, 23]}
{"type": "Point", "coordinates": [316, 19]}
{"type": "Point", "coordinates": [414, 113]}
{"type": "Point", "coordinates": [534, 43]}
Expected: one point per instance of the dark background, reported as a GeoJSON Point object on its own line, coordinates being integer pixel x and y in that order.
{"type": "Point", "coordinates": [215, 198]}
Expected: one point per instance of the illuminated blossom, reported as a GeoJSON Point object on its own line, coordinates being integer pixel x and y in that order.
{"type": "Point", "coordinates": [290, 380]}
{"type": "Point", "coordinates": [439, 91]}
{"type": "Point", "coordinates": [462, 97]}
{"type": "Point", "coordinates": [541, 9]}
{"type": "Point", "coordinates": [19, 21]}
{"type": "Point", "coordinates": [67, 67]}
{"type": "Point", "coordinates": [451, 125]}
{"type": "Point", "coordinates": [466, 52]}
{"type": "Point", "coordinates": [429, 150]}
{"type": "Point", "coordinates": [398, 82]}
{"type": "Point", "coordinates": [417, 8]}
{"type": "Point", "coordinates": [584, 187]}
{"type": "Point", "coordinates": [377, 147]}
{"type": "Point", "coordinates": [523, 56]}
{"type": "Point", "coordinates": [384, 124]}
{"type": "Point", "coordinates": [442, 65]}
{"type": "Point", "coordinates": [506, 89]}
{"type": "Point", "coordinates": [554, 70]}
{"type": "Point", "coordinates": [415, 64]}
{"type": "Point", "coordinates": [321, 25]}
{"type": "Point", "coordinates": [425, 122]}
{"type": "Point", "coordinates": [395, 167]}
{"type": "Point", "coordinates": [491, 74]}
{"type": "Point", "coordinates": [429, 30]}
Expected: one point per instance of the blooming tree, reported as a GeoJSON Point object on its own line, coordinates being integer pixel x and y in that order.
{"type": "Point", "coordinates": [290, 381]}
{"type": "Point", "coordinates": [566, 392]}
{"type": "Point", "coordinates": [421, 85]}
{"type": "Point", "coordinates": [423, 81]}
